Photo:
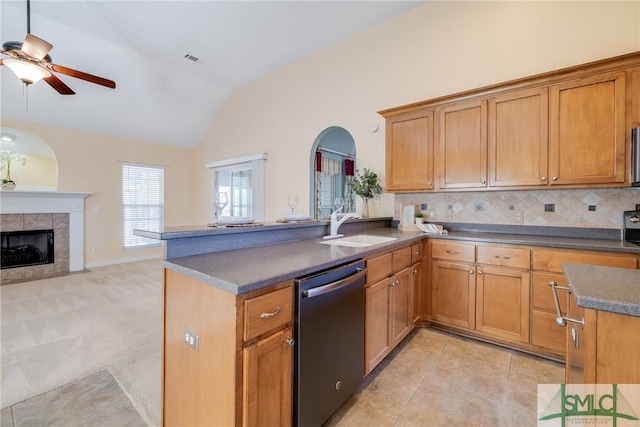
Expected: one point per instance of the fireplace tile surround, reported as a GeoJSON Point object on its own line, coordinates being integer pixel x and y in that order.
{"type": "Point", "coordinates": [59, 222]}
{"type": "Point", "coordinates": [37, 210]}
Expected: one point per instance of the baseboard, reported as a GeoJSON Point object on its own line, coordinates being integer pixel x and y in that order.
{"type": "Point", "coordinates": [121, 261]}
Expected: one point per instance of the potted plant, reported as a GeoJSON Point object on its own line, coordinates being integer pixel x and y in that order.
{"type": "Point", "coordinates": [419, 217]}
{"type": "Point", "coordinates": [6, 157]}
{"type": "Point", "coordinates": [367, 187]}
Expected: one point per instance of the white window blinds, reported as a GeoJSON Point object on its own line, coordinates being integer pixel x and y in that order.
{"type": "Point", "coordinates": [142, 203]}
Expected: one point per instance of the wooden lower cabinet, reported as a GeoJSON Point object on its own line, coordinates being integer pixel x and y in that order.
{"type": "Point", "coordinates": [502, 303]}
{"type": "Point", "coordinates": [454, 292]}
{"type": "Point", "coordinates": [389, 304]}
{"type": "Point", "coordinates": [547, 337]}
{"type": "Point", "coordinates": [240, 372]}
{"type": "Point", "coordinates": [267, 393]}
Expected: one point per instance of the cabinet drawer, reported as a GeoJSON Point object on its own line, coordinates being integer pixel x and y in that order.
{"type": "Point", "coordinates": [267, 312]}
{"type": "Point", "coordinates": [416, 252]}
{"type": "Point", "coordinates": [541, 293]}
{"type": "Point", "coordinates": [504, 257]}
{"type": "Point", "coordinates": [401, 258]}
{"type": "Point", "coordinates": [379, 267]}
{"type": "Point", "coordinates": [552, 260]}
{"type": "Point", "coordinates": [453, 251]}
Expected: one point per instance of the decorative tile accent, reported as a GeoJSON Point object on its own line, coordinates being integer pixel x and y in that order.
{"type": "Point", "coordinates": [38, 221]}
{"type": "Point", "coordinates": [571, 206]}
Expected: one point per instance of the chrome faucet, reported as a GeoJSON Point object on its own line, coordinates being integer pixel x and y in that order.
{"type": "Point", "coordinates": [335, 223]}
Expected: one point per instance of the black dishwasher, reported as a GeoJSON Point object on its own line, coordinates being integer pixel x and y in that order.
{"type": "Point", "coordinates": [329, 352]}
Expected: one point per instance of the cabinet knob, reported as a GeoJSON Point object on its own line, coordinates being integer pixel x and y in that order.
{"type": "Point", "coordinates": [415, 271]}
{"type": "Point", "coordinates": [416, 253]}
{"type": "Point", "coordinates": [471, 271]}
{"type": "Point", "coordinates": [555, 178]}
{"type": "Point", "coordinates": [483, 181]}
{"type": "Point", "coordinates": [429, 184]}
{"type": "Point", "coordinates": [290, 342]}
{"type": "Point", "coordinates": [544, 178]}
{"type": "Point", "coordinates": [479, 272]}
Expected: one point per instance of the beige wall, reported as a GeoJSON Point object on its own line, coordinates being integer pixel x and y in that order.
{"type": "Point", "coordinates": [435, 49]}
{"type": "Point", "coordinates": [90, 162]}
{"type": "Point", "coordinates": [38, 171]}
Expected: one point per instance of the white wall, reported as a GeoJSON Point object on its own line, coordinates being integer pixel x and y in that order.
{"type": "Point", "coordinates": [435, 49]}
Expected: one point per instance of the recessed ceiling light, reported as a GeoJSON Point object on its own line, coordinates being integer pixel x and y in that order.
{"type": "Point", "coordinates": [7, 137]}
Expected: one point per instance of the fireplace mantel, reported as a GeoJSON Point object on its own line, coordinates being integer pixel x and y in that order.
{"type": "Point", "coordinates": [28, 202]}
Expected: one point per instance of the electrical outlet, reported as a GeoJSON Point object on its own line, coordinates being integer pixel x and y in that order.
{"type": "Point", "coordinates": [191, 339]}
{"type": "Point", "coordinates": [592, 208]}
{"type": "Point", "coordinates": [448, 214]}
{"type": "Point", "coordinates": [638, 206]}
{"type": "Point", "coordinates": [424, 207]}
{"type": "Point", "coordinates": [550, 207]}
{"type": "Point", "coordinates": [95, 248]}
{"type": "Point", "coordinates": [518, 215]}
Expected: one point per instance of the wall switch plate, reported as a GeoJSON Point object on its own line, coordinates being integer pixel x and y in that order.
{"type": "Point", "coordinates": [550, 207]}
{"type": "Point", "coordinates": [592, 208]}
{"type": "Point", "coordinates": [191, 339]}
{"type": "Point", "coordinates": [638, 206]}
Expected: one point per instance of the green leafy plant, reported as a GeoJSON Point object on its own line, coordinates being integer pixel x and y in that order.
{"type": "Point", "coordinates": [419, 215]}
{"type": "Point", "coordinates": [366, 185]}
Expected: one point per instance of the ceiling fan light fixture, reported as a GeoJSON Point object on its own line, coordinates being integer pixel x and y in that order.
{"type": "Point", "coordinates": [27, 71]}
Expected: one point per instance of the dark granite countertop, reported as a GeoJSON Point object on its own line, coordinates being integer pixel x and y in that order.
{"type": "Point", "coordinates": [243, 270]}
{"type": "Point", "coordinates": [612, 289]}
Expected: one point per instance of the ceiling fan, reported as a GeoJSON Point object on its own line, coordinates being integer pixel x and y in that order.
{"type": "Point", "coordinates": [30, 61]}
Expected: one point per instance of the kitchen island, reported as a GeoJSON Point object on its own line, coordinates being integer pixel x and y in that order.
{"type": "Point", "coordinates": [604, 319]}
{"type": "Point", "coordinates": [229, 300]}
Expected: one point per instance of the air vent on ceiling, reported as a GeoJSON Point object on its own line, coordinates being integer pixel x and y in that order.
{"type": "Point", "coordinates": [192, 58]}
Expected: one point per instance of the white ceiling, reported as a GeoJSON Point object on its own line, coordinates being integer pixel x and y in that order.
{"type": "Point", "coordinates": [161, 96]}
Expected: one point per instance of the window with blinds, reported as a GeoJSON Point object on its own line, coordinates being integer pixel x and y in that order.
{"type": "Point", "coordinates": [142, 203]}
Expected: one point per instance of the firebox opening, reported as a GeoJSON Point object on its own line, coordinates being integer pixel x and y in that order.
{"type": "Point", "coordinates": [25, 248]}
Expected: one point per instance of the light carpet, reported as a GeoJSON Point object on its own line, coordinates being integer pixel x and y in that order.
{"type": "Point", "coordinates": [57, 330]}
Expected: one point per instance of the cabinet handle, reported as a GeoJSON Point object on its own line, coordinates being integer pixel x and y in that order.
{"type": "Point", "coordinates": [416, 253]}
{"type": "Point", "coordinates": [449, 251]}
{"type": "Point", "coordinates": [290, 342]}
{"type": "Point", "coordinates": [560, 319]}
{"type": "Point", "coordinates": [273, 313]}
{"type": "Point", "coordinates": [555, 178]}
{"type": "Point", "coordinates": [544, 178]}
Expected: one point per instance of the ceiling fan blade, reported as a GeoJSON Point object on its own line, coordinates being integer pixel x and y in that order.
{"type": "Point", "coordinates": [81, 75]}
{"type": "Point", "coordinates": [58, 85]}
{"type": "Point", "coordinates": [35, 47]}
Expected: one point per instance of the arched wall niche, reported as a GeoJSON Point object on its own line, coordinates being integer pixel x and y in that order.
{"type": "Point", "coordinates": [40, 171]}
{"type": "Point", "coordinates": [332, 163]}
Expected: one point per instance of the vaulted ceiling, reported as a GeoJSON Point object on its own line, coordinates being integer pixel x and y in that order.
{"type": "Point", "coordinates": [162, 96]}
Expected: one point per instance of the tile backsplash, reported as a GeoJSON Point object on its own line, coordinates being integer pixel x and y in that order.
{"type": "Point", "coordinates": [572, 208]}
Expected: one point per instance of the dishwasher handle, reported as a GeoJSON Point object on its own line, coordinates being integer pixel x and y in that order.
{"type": "Point", "coordinates": [334, 286]}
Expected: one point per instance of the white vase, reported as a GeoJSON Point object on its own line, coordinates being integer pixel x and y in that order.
{"type": "Point", "coordinates": [419, 220]}
{"type": "Point", "coordinates": [8, 185]}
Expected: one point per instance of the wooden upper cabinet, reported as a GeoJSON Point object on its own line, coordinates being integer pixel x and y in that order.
{"type": "Point", "coordinates": [462, 149]}
{"type": "Point", "coordinates": [409, 151]}
{"type": "Point", "coordinates": [518, 138]}
{"type": "Point", "coordinates": [587, 130]}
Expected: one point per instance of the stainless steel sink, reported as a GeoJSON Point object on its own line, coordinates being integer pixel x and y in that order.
{"type": "Point", "coordinates": [359, 241]}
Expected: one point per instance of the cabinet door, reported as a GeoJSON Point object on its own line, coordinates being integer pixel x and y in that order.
{"type": "Point", "coordinates": [454, 291]}
{"type": "Point", "coordinates": [416, 292]}
{"type": "Point", "coordinates": [409, 152]}
{"type": "Point", "coordinates": [518, 138]}
{"type": "Point", "coordinates": [502, 303]}
{"type": "Point", "coordinates": [377, 336]}
{"type": "Point", "coordinates": [400, 313]}
{"type": "Point", "coordinates": [587, 130]}
{"type": "Point", "coordinates": [545, 332]}
{"type": "Point", "coordinates": [462, 135]}
{"type": "Point", "coordinates": [267, 382]}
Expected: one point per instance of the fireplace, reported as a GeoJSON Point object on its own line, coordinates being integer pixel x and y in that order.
{"type": "Point", "coordinates": [26, 248]}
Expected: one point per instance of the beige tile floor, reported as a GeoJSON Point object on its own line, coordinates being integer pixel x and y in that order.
{"type": "Point", "coordinates": [431, 379]}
